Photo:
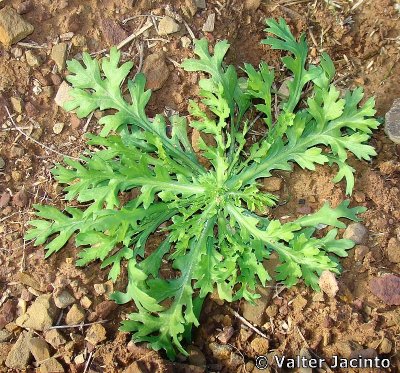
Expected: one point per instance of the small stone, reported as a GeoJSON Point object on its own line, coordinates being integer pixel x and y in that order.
{"type": "Point", "coordinates": [95, 334]}
{"type": "Point", "coordinates": [79, 359]}
{"type": "Point", "coordinates": [201, 4]}
{"type": "Point", "coordinates": [54, 338]}
{"type": "Point", "coordinates": [58, 127]}
{"type": "Point", "coordinates": [26, 279]}
{"type": "Point", "coordinates": [185, 41]}
{"type": "Point", "coordinates": [2, 163]}
{"type": "Point", "coordinates": [260, 345]}
{"type": "Point", "coordinates": [13, 27]}
{"type": "Point", "coordinates": [356, 232]}
{"type": "Point", "coordinates": [102, 310]}
{"type": "Point", "coordinates": [220, 352]}
{"type": "Point", "coordinates": [209, 24]}
{"type": "Point", "coordinates": [79, 41]}
{"type": "Point", "coordinates": [20, 199]}
{"type": "Point", "coordinates": [196, 356]}
{"type": "Point", "coordinates": [16, 103]}
{"type": "Point", "coordinates": [156, 71]}
{"type": "Point", "coordinates": [112, 31]}
{"type": "Point", "coordinates": [5, 335]}
{"type": "Point", "coordinates": [24, 7]}
{"type": "Point", "coordinates": [85, 302]}
{"type": "Point", "coordinates": [4, 351]}
{"type": "Point", "coordinates": [55, 79]}
{"type": "Point", "coordinates": [40, 315]}
{"type": "Point", "coordinates": [8, 312]}
{"type": "Point", "coordinates": [39, 349]}
{"type": "Point", "coordinates": [167, 26]}
{"type": "Point", "coordinates": [393, 250]}
{"type": "Point", "coordinates": [226, 334]}
{"type": "Point", "coordinates": [328, 284]}
{"type": "Point", "coordinates": [16, 152]}
{"type": "Point", "coordinates": [66, 36]}
{"type": "Point", "coordinates": [190, 8]}
{"type": "Point", "coordinates": [272, 184]}
{"type": "Point", "coordinates": [31, 109]}
{"type": "Point", "coordinates": [19, 355]}
{"type": "Point", "coordinates": [360, 251]}
{"type": "Point", "coordinates": [271, 311]}
{"type": "Point", "coordinates": [75, 122]}
{"type": "Point", "coordinates": [31, 59]}
{"type": "Point", "coordinates": [392, 122]}
{"type": "Point", "coordinates": [63, 299]}
{"type": "Point", "coordinates": [75, 315]}
{"type": "Point", "coordinates": [17, 52]}
{"type": "Point", "coordinates": [59, 55]}
{"type": "Point", "coordinates": [100, 289]}
{"type": "Point", "coordinates": [386, 346]}
{"type": "Point", "coordinates": [252, 4]}
{"type": "Point", "coordinates": [255, 312]}
{"type": "Point", "coordinates": [51, 366]}
{"type": "Point", "coordinates": [386, 288]}
{"type": "Point", "coordinates": [62, 95]}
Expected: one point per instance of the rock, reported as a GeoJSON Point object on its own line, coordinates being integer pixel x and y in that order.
{"type": "Point", "coordinates": [51, 366]}
{"type": "Point", "coordinates": [63, 299]}
{"type": "Point", "coordinates": [75, 122]}
{"type": "Point", "coordinates": [226, 334]}
{"type": "Point", "coordinates": [156, 71]}
{"type": "Point", "coordinates": [62, 95]}
{"type": "Point", "coordinates": [112, 32]}
{"type": "Point", "coordinates": [190, 8]}
{"type": "Point", "coordinates": [55, 79]}
{"type": "Point", "coordinates": [2, 164]}
{"type": "Point", "coordinates": [260, 345]}
{"type": "Point", "coordinates": [167, 25]}
{"type": "Point", "coordinates": [299, 303]}
{"type": "Point", "coordinates": [4, 351]}
{"type": "Point", "coordinates": [393, 250]}
{"type": "Point", "coordinates": [100, 289]}
{"type": "Point", "coordinates": [24, 7]}
{"type": "Point", "coordinates": [272, 184]}
{"type": "Point", "coordinates": [19, 356]}
{"type": "Point", "coordinates": [201, 4]}
{"type": "Point", "coordinates": [220, 352]}
{"type": "Point", "coordinates": [4, 199]}
{"type": "Point", "coordinates": [58, 127]}
{"type": "Point", "coordinates": [8, 312]}
{"type": "Point", "coordinates": [79, 41]}
{"type": "Point", "coordinates": [392, 122]}
{"type": "Point", "coordinates": [13, 27]}
{"type": "Point", "coordinates": [75, 315]}
{"type": "Point", "coordinates": [386, 288]}
{"type": "Point", "coordinates": [185, 41]}
{"type": "Point", "coordinates": [54, 338]}
{"type": "Point", "coordinates": [252, 4]}
{"type": "Point", "coordinates": [79, 359]}
{"type": "Point", "coordinates": [20, 199]}
{"type": "Point", "coordinates": [16, 152]}
{"type": "Point", "coordinates": [40, 315]}
{"type": "Point", "coordinates": [356, 232]}
{"type": "Point", "coordinates": [85, 302]}
{"type": "Point", "coordinates": [386, 346]}
{"type": "Point", "coordinates": [102, 310]}
{"type": "Point", "coordinates": [16, 103]}
{"type": "Point", "coordinates": [59, 55]}
{"type": "Point", "coordinates": [95, 334]}
{"type": "Point", "coordinates": [196, 356]}
{"type": "Point", "coordinates": [39, 349]}
{"type": "Point", "coordinates": [255, 313]}
{"type": "Point", "coordinates": [5, 335]}
{"type": "Point", "coordinates": [31, 59]}
{"type": "Point", "coordinates": [328, 284]}
{"type": "Point", "coordinates": [209, 24]}
{"type": "Point", "coordinates": [26, 279]}
{"type": "Point", "coordinates": [360, 251]}
{"type": "Point", "coordinates": [271, 311]}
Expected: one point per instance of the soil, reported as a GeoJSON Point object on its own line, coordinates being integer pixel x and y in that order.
{"type": "Point", "coordinates": [363, 40]}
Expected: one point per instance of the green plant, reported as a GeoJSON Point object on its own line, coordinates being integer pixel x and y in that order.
{"type": "Point", "coordinates": [214, 234]}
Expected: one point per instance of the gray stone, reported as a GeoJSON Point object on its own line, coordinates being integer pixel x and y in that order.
{"type": "Point", "coordinates": [63, 299]}
{"type": "Point", "coordinates": [13, 27]}
{"type": "Point", "coordinates": [59, 55]}
{"type": "Point", "coordinates": [5, 335]}
{"type": "Point", "coordinates": [19, 356]}
{"type": "Point", "coordinates": [54, 338]}
{"type": "Point", "coordinates": [39, 349]}
{"type": "Point", "coordinates": [209, 24]}
{"type": "Point", "coordinates": [392, 122]}
{"type": "Point", "coordinates": [51, 366]}
{"type": "Point", "coordinates": [201, 4]}
{"type": "Point", "coordinates": [167, 26]}
{"type": "Point", "coordinates": [356, 232]}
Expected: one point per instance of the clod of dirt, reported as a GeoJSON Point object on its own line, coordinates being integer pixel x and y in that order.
{"type": "Point", "coordinates": [255, 313]}
{"type": "Point", "coordinates": [392, 122]}
{"type": "Point", "coordinates": [260, 345]}
{"type": "Point", "coordinates": [95, 334]}
{"type": "Point", "coordinates": [39, 349]}
{"type": "Point", "coordinates": [40, 315]}
{"type": "Point", "coordinates": [51, 366]}
{"type": "Point", "coordinates": [167, 26]}
{"type": "Point", "coordinates": [102, 310]}
{"type": "Point", "coordinates": [356, 232]}
{"type": "Point", "coordinates": [62, 95]}
{"type": "Point", "coordinates": [26, 279]}
{"type": "Point", "coordinates": [75, 315]}
{"type": "Point", "coordinates": [4, 199]}
{"type": "Point", "coordinates": [59, 55]}
{"type": "Point", "coordinates": [13, 27]}
{"type": "Point", "coordinates": [31, 59]}
{"type": "Point", "coordinates": [196, 356]}
{"type": "Point", "coordinates": [24, 7]}
{"type": "Point", "coordinates": [63, 299]}
{"type": "Point", "coordinates": [272, 184]}
{"type": "Point", "coordinates": [58, 127]}
{"type": "Point", "coordinates": [156, 71]}
{"type": "Point", "coordinates": [19, 356]}
{"type": "Point", "coordinates": [112, 31]}
{"type": "Point", "coordinates": [393, 250]}
{"type": "Point", "coordinates": [209, 24]}
{"type": "Point", "coordinates": [8, 312]}
{"type": "Point", "coordinates": [54, 338]}
{"type": "Point", "coordinates": [386, 288]}
{"type": "Point", "coordinates": [328, 284]}
{"type": "Point", "coordinates": [5, 335]}
{"type": "Point", "coordinates": [220, 352]}
{"type": "Point", "coordinates": [252, 4]}
{"type": "Point", "coordinates": [386, 346]}
{"type": "Point", "coordinates": [20, 199]}
{"type": "Point", "coordinates": [360, 251]}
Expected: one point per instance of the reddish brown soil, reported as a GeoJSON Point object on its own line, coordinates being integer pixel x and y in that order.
{"type": "Point", "coordinates": [364, 45]}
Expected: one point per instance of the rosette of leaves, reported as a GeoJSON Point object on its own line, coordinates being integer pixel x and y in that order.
{"type": "Point", "coordinates": [213, 234]}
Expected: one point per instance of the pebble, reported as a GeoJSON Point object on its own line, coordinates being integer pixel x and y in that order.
{"type": "Point", "coordinates": [13, 27]}
{"type": "Point", "coordinates": [16, 152]}
{"type": "Point", "coordinates": [185, 41]}
{"type": "Point", "coordinates": [190, 8]}
{"type": "Point", "coordinates": [360, 251]}
{"type": "Point", "coordinates": [51, 366]}
{"type": "Point", "coordinates": [95, 334]}
{"type": "Point", "coordinates": [19, 355]}
{"type": "Point", "coordinates": [386, 288]}
{"type": "Point", "coordinates": [226, 334]}
{"type": "Point", "coordinates": [8, 312]}
{"type": "Point", "coordinates": [75, 122]}
{"type": "Point", "coordinates": [201, 4]}
{"type": "Point", "coordinates": [196, 356]}
{"type": "Point", "coordinates": [102, 310]}
{"type": "Point", "coordinates": [62, 95]}
{"type": "Point", "coordinates": [59, 55]}
{"type": "Point", "coordinates": [39, 348]}
{"type": "Point", "coordinates": [393, 250]}
{"type": "Point", "coordinates": [255, 312]}
{"type": "Point", "coordinates": [386, 346]}
{"type": "Point", "coordinates": [112, 31]}
{"type": "Point", "coordinates": [2, 163]}
{"type": "Point", "coordinates": [16, 103]}
{"type": "Point", "coordinates": [40, 315]}
{"type": "Point", "coordinates": [31, 59]}
{"type": "Point", "coordinates": [260, 345]}
{"type": "Point", "coordinates": [156, 71]}
{"type": "Point", "coordinates": [252, 4]}
{"type": "Point", "coordinates": [167, 26]}
{"type": "Point", "coordinates": [220, 352]}
{"type": "Point", "coordinates": [26, 279]}
{"type": "Point", "coordinates": [209, 24]}
{"type": "Point", "coordinates": [328, 284]}
{"type": "Point", "coordinates": [17, 52]}
{"type": "Point", "coordinates": [63, 299]}
{"type": "Point", "coordinates": [75, 315]}
{"type": "Point", "coordinates": [55, 79]}
{"type": "Point", "coordinates": [356, 232]}
{"type": "Point", "coordinates": [272, 184]}
{"type": "Point", "coordinates": [58, 127]}
{"type": "Point", "coordinates": [5, 335]}
{"type": "Point", "coordinates": [4, 199]}
{"type": "Point", "coordinates": [86, 302]}
{"type": "Point", "coordinates": [79, 41]}
{"type": "Point", "coordinates": [392, 122]}
{"type": "Point", "coordinates": [54, 338]}
{"type": "Point", "coordinates": [20, 199]}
